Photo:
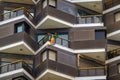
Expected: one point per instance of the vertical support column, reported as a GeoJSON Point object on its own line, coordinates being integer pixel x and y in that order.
{"type": "Point", "coordinates": [1, 10]}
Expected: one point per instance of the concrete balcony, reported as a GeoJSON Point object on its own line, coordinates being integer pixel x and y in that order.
{"type": "Point", "coordinates": [19, 43]}
{"type": "Point", "coordinates": [15, 69]}
{"type": "Point", "coordinates": [54, 70]}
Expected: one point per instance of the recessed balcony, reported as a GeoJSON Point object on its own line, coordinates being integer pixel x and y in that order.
{"type": "Point", "coordinates": [15, 69]}
{"type": "Point", "coordinates": [92, 71]}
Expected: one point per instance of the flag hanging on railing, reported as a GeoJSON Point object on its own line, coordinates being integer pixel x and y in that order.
{"type": "Point", "coordinates": [52, 40]}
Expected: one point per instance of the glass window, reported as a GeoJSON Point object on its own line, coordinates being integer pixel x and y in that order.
{"type": "Point", "coordinates": [64, 36]}
{"type": "Point", "coordinates": [18, 28]}
{"type": "Point", "coordinates": [52, 55]}
{"type": "Point", "coordinates": [39, 37]}
{"type": "Point", "coordinates": [44, 3]}
{"type": "Point", "coordinates": [44, 56]}
{"type": "Point", "coordinates": [117, 16]}
{"type": "Point", "coordinates": [99, 34]}
{"type": "Point", "coordinates": [52, 3]}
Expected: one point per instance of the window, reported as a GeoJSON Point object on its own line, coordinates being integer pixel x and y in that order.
{"type": "Point", "coordinates": [52, 55]}
{"type": "Point", "coordinates": [39, 37]}
{"type": "Point", "coordinates": [22, 26]}
{"type": "Point", "coordinates": [19, 28]}
{"type": "Point", "coordinates": [44, 56]}
{"type": "Point", "coordinates": [99, 34]}
{"type": "Point", "coordinates": [52, 3]}
{"type": "Point", "coordinates": [64, 36]}
{"type": "Point", "coordinates": [44, 3]}
{"type": "Point", "coordinates": [117, 16]}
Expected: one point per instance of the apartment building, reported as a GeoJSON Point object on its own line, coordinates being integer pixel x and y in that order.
{"type": "Point", "coordinates": [53, 40]}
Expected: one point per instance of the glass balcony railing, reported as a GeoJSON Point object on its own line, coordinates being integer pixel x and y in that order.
{"type": "Point", "coordinates": [15, 66]}
{"type": "Point", "coordinates": [89, 19]}
{"type": "Point", "coordinates": [58, 40]}
{"type": "Point", "coordinates": [113, 53]}
{"type": "Point", "coordinates": [92, 71]}
{"type": "Point", "coordinates": [111, 3]}
{"type": "Point", "coordinates": [17, 12]}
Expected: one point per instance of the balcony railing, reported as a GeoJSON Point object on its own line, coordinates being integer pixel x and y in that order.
{"type": "Point", "coordinates": [54, 65]}
{"type": "Point", "coordinates": [111, 3]}
{"type": "Point", "coordinates": [15, 66]}
{"type": "Point", "coordinates": [92, 71]}
{"type": "Point", "coordinates": [58, 40]}
{"type": "Point", "coordinates": [113, 53]}
{"type": "Point", "coordinates": [90, 19]}
{"type": "Point", "coordinates": [17, 12]}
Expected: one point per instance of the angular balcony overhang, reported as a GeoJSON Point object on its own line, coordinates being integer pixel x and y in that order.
{"type": "Point", "coordinates": [15, 69]}
{"type": "Point", "coordinates": [84, 46]}
{"type": "Point", "coordinates": [95, 5]}
{"type": "Point", "coordinates": [53, 18]}
{"type": "Point", "coordinates": [113, 31]}
{"type": "Point", "coordinates": [19, 43]}
{"type": "Point", "coordinates": [15, 15]}
{"type": "Point", "coordinates": [54, 70]}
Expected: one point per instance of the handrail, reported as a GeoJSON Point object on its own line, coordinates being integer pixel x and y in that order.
{"type": "Point", "coordinates": [50, 34]}
{"type": "Point", "coordinates": [89, 16]}
{"type": "Point", "coordinates": [12, 63]}
{"type": "Point", "coordinates": [92, 68]}
{"type": "Point", "coordinates": [17, 9]}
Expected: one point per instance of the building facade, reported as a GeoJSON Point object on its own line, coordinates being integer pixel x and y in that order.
{"type": "Point", "coordinates": [58, 39]}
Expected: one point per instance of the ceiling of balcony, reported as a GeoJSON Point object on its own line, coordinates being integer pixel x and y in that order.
{"type": "Point", "coordinates": [115, 37]}
{"type": "Point", "coordinates": [50, 76]}
{"type": "Point", "coordinates": [19, 49]}
{"type": "Point", "coordinates": [20, 1]}
{"type": "Point", "coordinates": [95, 6]}
{"type": "Point", "coordinates": [50, 24]}
{"type": "Point", "coordinates": [97, 56]}
{"type": "Point", "coordinates": [112, 47]}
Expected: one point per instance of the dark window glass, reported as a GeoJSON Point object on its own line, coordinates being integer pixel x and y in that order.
{"type": "Point", "coordinates": [19, 28]}
{"type": "Point", "coordinates": [99, 34]}
{"type": "Point", "coordinates": [39, 37]}
{"type": "Point", "coordinates": [22, 26]}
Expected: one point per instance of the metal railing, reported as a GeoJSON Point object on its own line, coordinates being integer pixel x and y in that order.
{"type": "Point", "coordinates": [112, 3]}
{"type": "Point", "coordinates": [89, 19]}
{"type": "Point", "coordinates": [113, 53]}
{"type": "Point", "coordinates": [58, 40]}
{"type": "Point", "coordinates": [15, 66]}
{"type": "Point", "coordinates": [92, 71]}
{"type": "Point", "coordinates": [17, 12]}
